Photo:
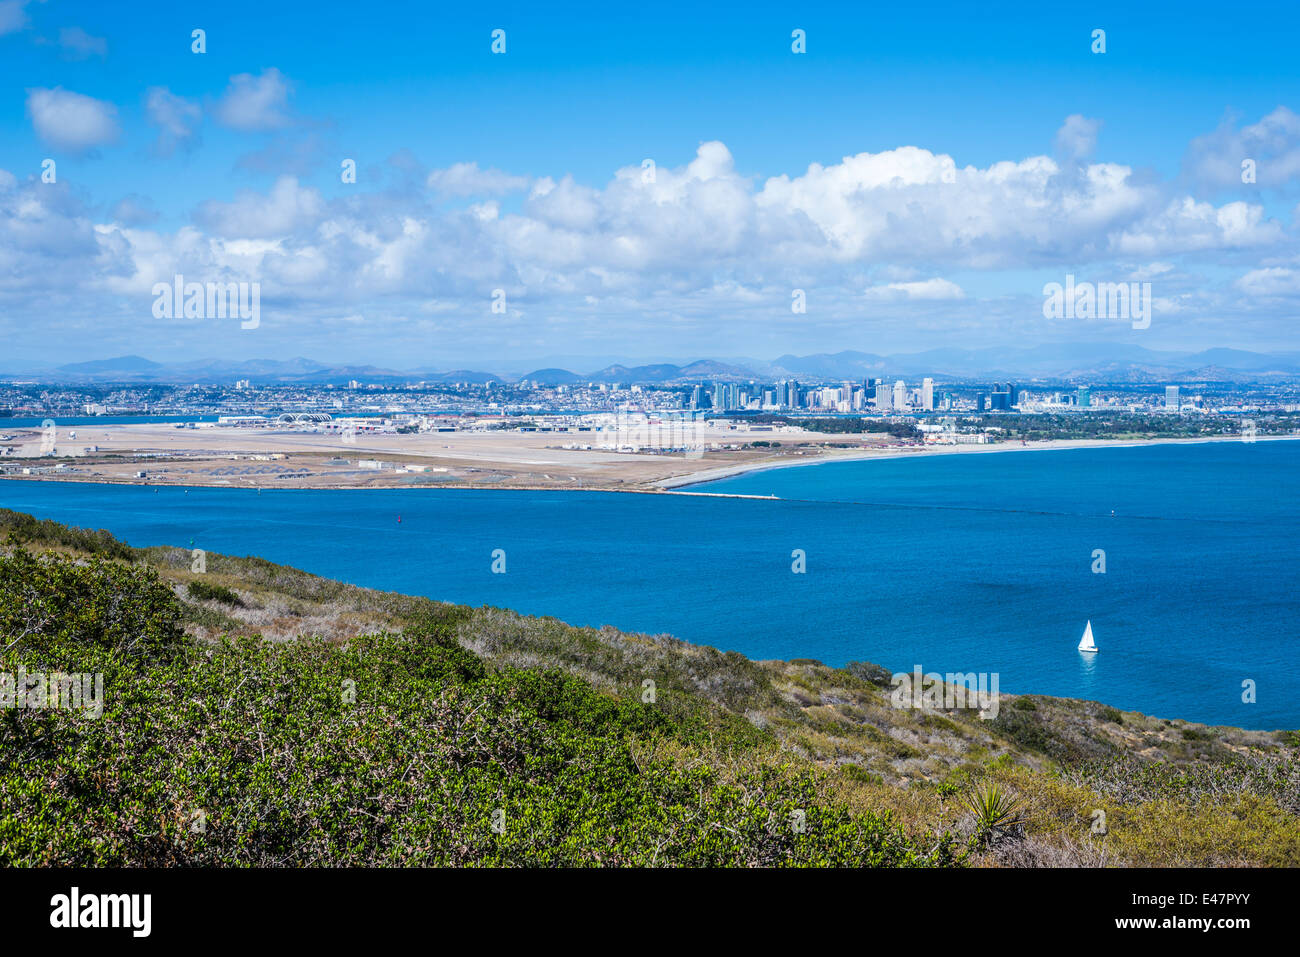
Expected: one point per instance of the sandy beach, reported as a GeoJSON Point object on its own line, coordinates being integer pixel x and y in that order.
{"type": "Point", "coordinates": [839, 455]}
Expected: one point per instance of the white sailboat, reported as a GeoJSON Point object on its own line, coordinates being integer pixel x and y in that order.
{"type": "Point", "coordinates": [1086, 643]}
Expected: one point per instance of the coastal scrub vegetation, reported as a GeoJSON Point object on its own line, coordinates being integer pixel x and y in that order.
{"type": "Point", "coordinates": [385, 749]}
{"type": "Point", "coordinates": [260, 715]}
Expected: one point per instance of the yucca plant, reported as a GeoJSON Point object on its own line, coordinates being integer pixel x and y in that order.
{"type": "Point", "coordinates": [997, 812]}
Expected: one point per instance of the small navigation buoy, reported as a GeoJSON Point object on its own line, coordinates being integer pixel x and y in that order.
{"type": "Point", "coordinates": [399, 520]}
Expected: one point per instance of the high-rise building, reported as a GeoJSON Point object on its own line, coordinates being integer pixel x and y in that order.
{"type": "Point", "coordinates": [719, 397]}
{"type": "Point", "coordinates": [900, 395]}
{"type": "Point", "coordinates": [1085, 397]}
{"type": "Point", "coordinates": [1171, 398]}
{"type": "Point", "coordinates": [882, 397]}
{"type": "Point", "coordinates": [927, 395]}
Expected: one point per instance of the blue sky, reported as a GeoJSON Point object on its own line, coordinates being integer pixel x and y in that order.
{"type": "Point", "coordinates": [951, 183]}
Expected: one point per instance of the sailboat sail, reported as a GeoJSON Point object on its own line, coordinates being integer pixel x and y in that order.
{"type": "Point", "coordinates": [1086, 643]}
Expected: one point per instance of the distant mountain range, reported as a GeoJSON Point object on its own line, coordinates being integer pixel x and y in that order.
{"type": "Point", "coordinates": [1069, 362]}
{"type": "Point", "coordinates": [135, 369]}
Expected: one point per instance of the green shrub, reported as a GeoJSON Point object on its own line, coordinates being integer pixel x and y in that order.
{"type": "Point", "coordinates": [21, 527]}
{"type": "Point", "coordinates": [59, 612]}
{"type": "Point", "coordinates": [204, 591]}
{"type": "Point", "coordinates": [1025, 731]}
{"type": "Point", "coordinates": [872, 673]}
{"type": "Point", "coordinates": [855, 772]}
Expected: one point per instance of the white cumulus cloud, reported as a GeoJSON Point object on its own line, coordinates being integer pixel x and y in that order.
{"type": "Point", "coordinates": [1270, 281]}
{"type": "Point", "coordinates": [1077, 137]}
{"type": "Point", "coordinates": [1271, 146]}
{"type": "Point", "coordinates": [923, 289]}
{"type": "Point", "coordinates": [466, 179]}
{"type": "Point", "coordinates": [177, 120]}
{"type": "Point", "coordinates": [71, 121]}
{"type": "Point", "coordinates": [256, 103]}
{"type": "Point", "coordinates": [13, 16]}
{"type": "Point", "coordinates": [80, 45]}
{"type": "Point", "coordinates": [286, 209]}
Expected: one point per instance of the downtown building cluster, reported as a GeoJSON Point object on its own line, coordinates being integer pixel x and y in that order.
{"type": "Point", "coordinates": [877, 396]}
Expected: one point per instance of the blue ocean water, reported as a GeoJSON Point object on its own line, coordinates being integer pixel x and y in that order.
{"type": "Point", "coordinates": [968, 562]}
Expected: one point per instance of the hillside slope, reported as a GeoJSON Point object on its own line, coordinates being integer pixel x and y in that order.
{"type": "Point", "coordinates": [257, 714]}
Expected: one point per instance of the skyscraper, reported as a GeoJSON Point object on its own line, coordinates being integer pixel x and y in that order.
{"type": "Point", "coordinates": [1004, 396]}
{"type": "Point", "coordinates": [1171, 398]}
{"type": "Point", "coordinates": [882, 396]}
{"type": "Point", "coordinates": [900, 395]}
{"type": "Point", "coordinates": [927, 395]}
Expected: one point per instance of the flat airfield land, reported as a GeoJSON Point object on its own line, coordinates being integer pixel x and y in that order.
{"type": "Point", "coordinates": [287, 458]}
{"type": "Point", "coordinates": [261, 457]}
